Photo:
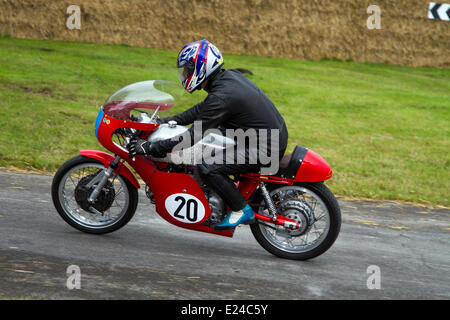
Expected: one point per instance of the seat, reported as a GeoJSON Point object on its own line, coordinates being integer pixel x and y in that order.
{"type": "Point", "coordinates": [290, 163]}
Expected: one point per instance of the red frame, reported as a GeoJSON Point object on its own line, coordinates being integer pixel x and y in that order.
{"type": "Point", "coordinates": [164, 184]}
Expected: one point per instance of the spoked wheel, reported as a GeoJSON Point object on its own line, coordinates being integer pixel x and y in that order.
{"type": "Point", "coordinates": [314, 207]}
{"type": "Point", "coordinates": [72, 185]}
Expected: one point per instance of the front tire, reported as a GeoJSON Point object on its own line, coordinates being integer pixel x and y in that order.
{"type": "Point", "coordinates": [317, 210]}
{"type": "Point", "coordinates": [114, 207]}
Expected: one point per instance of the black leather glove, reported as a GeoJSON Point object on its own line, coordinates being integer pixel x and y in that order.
{"type": "Point", "coordinates": [138, 146]}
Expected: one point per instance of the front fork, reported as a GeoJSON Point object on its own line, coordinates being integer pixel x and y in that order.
{"type": "Point", "coordinates": [101, 180]}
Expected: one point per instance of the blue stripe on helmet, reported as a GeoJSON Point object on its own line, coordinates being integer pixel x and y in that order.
{"type": "Point", "coordinates": [201, 54]}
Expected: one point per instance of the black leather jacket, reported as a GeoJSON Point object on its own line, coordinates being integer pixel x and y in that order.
{"type": "Point", "coordinates": [233, 102]}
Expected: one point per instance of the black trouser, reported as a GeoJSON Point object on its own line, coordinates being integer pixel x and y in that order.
{"type": "Point", "coordinates": [216, 176]}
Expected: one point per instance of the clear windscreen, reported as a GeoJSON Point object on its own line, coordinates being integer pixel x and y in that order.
{"type": "Point", "coordinates": [143, 97]}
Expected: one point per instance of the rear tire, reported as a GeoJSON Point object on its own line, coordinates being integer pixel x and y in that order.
{"type": "Point", "coordinates": [72, 205]}
{"type": "Point", "coordinates": [282, 246]}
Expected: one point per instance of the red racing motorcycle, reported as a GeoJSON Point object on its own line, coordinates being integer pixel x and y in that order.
{"type": "Point", "coordinates": [297, 216]}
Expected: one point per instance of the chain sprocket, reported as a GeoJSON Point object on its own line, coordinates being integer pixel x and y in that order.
{"type": "Point", "coordinates": [298, 211]}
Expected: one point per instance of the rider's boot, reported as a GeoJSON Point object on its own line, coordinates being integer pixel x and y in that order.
{"type": "Point", "coordinates": [246, 216]}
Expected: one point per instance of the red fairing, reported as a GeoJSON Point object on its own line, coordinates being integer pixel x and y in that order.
{"type": "Point", "coordinates": [108, 125]}
{"type": "Point", "coordinates": [313, 168]}
{"type": "Point", "coordinates": [169, 184]}
{"type": "Point", "coordinates": [166, 185]}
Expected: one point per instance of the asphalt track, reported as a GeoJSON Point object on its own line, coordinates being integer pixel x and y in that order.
{"type": "Point", "coordinates": [407, 246]}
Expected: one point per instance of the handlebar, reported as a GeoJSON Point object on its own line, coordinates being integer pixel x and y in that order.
{"type": "Point", "coordinates": [130, 133]}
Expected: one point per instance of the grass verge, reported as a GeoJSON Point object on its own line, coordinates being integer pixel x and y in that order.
{"type": "Point", "coordinates": [384, 129]}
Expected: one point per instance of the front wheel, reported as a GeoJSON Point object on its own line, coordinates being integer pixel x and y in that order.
{"type": "Point", "coordinates": [72, 185]}
{"type": "Point", "coordinates": [314, 207]}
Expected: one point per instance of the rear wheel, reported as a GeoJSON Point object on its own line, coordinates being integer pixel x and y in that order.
{"type": "Point", "coordinates": [314, 207]}
{"type": "Point", "coordinates": [71, 187]}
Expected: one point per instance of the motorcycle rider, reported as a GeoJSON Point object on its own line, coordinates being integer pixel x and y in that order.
{"type": "Point", "coordinates": [233, 102]}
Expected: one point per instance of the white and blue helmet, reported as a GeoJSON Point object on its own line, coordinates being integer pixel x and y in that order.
{"type": "Point", "coordinates": [196, 62]}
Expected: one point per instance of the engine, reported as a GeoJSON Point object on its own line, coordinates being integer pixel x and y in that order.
{"type": "Point", "coordinates": [218, 207]}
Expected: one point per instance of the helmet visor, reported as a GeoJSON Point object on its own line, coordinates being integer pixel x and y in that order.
{"type": "Point", "coordinates": [185, 71]}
